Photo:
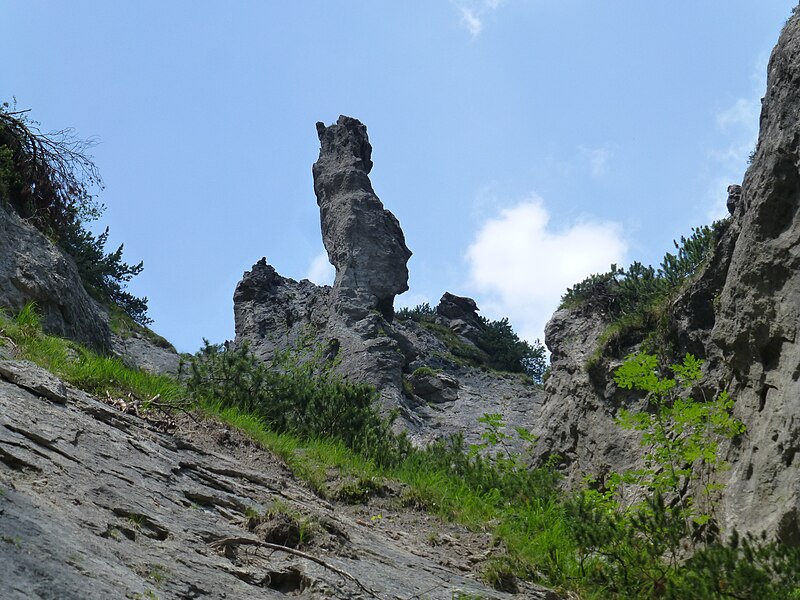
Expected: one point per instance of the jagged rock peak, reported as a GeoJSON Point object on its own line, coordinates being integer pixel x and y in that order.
{"type": "Point", "coordinates": [364, 241]}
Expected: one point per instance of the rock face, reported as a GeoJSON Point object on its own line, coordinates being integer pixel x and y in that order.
{"type": "Point", "coordinates": [756, 326]}
{"type": "Point", "coordinates": [98, 504]}
{"type": "Point", "coordinates": [741, 314]}
{"type": "Point", "coordinates": [273, 312]}
{"type": "Point", "coordinates": [353, 322]}
{"type": "Point", "coordinates": [33, 269]}
{"type": "Point", "coordinates": [363, 239]}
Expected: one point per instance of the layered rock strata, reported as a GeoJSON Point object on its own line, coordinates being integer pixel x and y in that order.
{"type": "Point", "coordinates": [96, 504]}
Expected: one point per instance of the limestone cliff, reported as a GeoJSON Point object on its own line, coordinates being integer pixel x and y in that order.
{"type": "Point", "coordinates": [755, 334]}
{"type": "Point", "coordinates": [741, 314]}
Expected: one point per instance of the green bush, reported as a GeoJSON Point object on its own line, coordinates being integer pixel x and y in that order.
{"type": "Point", "coordinates": [296, 394]}
{"type": "Point", "coordinates": [421, 312]}
{"type": "Point", "coordinates": [651, 532]}
{"type": "Point", "coordinates": [620, 292]}
{"type": "Point", "coordinates": [506, 352]}
{"type": "Point", "coordinates": [49, 179]}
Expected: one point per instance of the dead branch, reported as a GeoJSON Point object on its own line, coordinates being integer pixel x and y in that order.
{"type": "Point", "coordinates": [243, 541]}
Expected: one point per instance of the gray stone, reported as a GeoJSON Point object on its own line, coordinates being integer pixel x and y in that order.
{"type": "Point", "coordinates": [755, 347]}
{"type": "Point", "coordinates": [352, 323]}
{"type": "Point", "coordinates": [148, 353]}
{"type": "Point", "coordinates": [740, 314]}
{"type": "Point", "coordinates": [734, 197]}
{"type": "Point", "coordinates": [277, 313]}
{"type": "Point", "coordinates": [33, 269]}
{"type": "Point", "coordinates": [434, 387]}
{"type": "Point", "coordinates": [34, 378]}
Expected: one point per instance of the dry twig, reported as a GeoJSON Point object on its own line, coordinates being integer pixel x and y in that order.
{"type": "Point", "coordinates": [243, 541]}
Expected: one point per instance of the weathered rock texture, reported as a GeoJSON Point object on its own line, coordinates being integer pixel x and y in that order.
{"type": "Point", "coordinates": [741, 314]}
{"type": "Point", "coordinates": [273, 312]}
{"type": "Point", "coordinates": [98, 504]}
{"type": "Point", "coordinates": [756, 326]}
{"type": "Point", "coordinates": [33, 269]}
{"type": "Point", "coordinates": [146, 351]}
{"type": "Point", "coordinates": [353, 322]}
{"type": "Point", "coordinates": [363, 239]}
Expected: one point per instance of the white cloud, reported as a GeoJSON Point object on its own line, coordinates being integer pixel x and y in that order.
{"type": "Point", "coordinates": [598, 159]}
{"type": "Point", "coordinates": [471, 21]}
{"type": "Point", "coordinates": [743, 113]}
{"type": "Point", "coordinates": [523, 266]}
{"type": "Point", "coordinates": [473, 13]}
{"type": "Point", "coordinates": [321, 271]}
{"type": "Point", "coordinates": [738, 126]}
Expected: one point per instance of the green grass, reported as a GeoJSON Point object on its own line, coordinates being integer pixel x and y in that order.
{"type": "Point", "coordinates": [534, 530]}
{"type": "Point", "coordinates": [83, 368]}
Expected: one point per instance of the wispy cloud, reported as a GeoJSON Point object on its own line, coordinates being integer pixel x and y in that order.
{"type": "Point", "coordinates": [743, 112]}
{"type": "Point", "coordinates": [738, 128]}
{"type": "Point", "coordinates": [522, 266]}
{"type": "Point", "coordinates": [474, 12]}
{"type": "Point", "coordinates": [598, 159]}
{"type": "Point", "coordinates": [321, 271]}
{"type": "Point", "coordinates": [471, 21]}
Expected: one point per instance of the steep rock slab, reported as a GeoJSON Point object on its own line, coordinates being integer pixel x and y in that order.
{"type": "Point", "coordinates": [363, 239]}
{"type": "Point", "coordinates": [33, 269]}
{"type": "Point", "coordinates": [98, 504]}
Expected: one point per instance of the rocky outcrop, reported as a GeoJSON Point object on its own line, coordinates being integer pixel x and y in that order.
{"type": "Point", "coordinates": [33, 269]}
{"type": "Point", "coordinates": [363, 239]}
{"type": "Point", "coordinates": [576, 421]}
{"type": "Point", "coordinates": [276, 313]}
{"type": "Point", "coordinates": [741, 315]}
{"type": "Point", "coordinates": [97, 504]}
{"type": "Point", "coordinates": [352, 324]}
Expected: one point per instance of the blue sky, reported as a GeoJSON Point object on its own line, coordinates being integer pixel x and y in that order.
{"type": "Point", "coordinates": [523, 144]}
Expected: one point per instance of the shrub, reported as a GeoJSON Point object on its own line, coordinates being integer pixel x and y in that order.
{"type": "Point", "coordinates": [506, 352]}
{"type": "Point", "coordinates": [296, 394]}
{"type": "Point", "coordinates": [634, 533]}
{"type": "Point", "coordinates": [421, 312]}
{"type": "Point", "coordinates": [620, 292]}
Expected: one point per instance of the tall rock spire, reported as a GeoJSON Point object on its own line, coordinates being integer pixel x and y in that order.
{"type": "Point", "coordinates": [363, 239]}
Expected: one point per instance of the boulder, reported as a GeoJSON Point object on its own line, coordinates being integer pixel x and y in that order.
{"type": "Point", "coordinates": [33, 269]}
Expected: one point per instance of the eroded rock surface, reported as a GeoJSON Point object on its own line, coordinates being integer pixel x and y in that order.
{"type": "Point", "coordinates": [98, 504]}
{"type": "Point", "coordinates": [352, 324]}
{"type": "Point", "coordinates": [363, 239]}
{"type": "Point", "coordinates": [756, 326]}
